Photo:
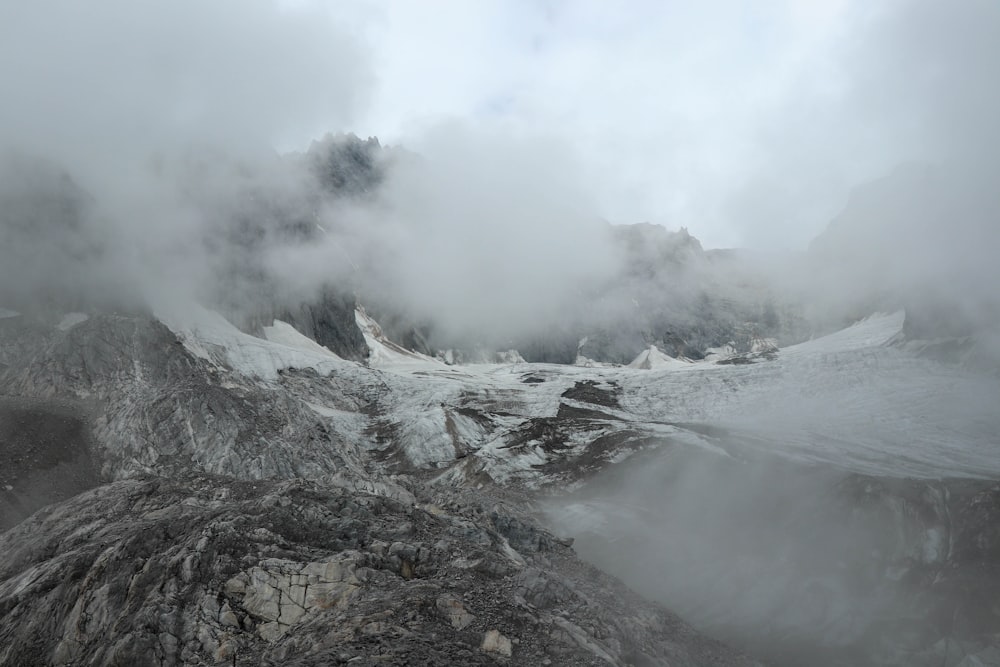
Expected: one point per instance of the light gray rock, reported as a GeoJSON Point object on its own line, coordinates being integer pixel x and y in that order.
{"type": "Point", "coordinates": [453, 609]}
{"type": "Point", "coordinates": [494, 642]}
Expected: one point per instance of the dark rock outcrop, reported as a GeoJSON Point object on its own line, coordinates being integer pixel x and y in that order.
{"type": "Point", "coordinates": [347, 166]}
{"type": "Point", "coordinates": [330, 321]}
{"type": "Point", "coordinates": [46, 453]}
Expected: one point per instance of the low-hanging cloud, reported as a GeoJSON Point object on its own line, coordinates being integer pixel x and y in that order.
{"type": "Point", "coordinates": [90, 81]}
{"type": "Point", "coordinates": [161, 116]}
{"type": "Point", "coordinates": [907, 81]}
{"type": "Point", "coordinates": [481, 231]}
{"type": "Point", "coordinates": [164, 117]}
{"type": "Point", "coordinates": [161, 119]}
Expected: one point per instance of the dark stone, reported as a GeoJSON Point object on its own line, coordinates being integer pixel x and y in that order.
{"type": "Point", "coordinates": [45, 447]}
{"type": "Point", "coordinates": [330, 321]}
{"type": "Point", "coordinates": [588, 391]}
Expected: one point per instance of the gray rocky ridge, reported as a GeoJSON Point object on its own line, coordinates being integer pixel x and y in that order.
{"type": "Point", "coordinates": [238, 519]}
{"type": "Point", "coordinates": [678, 469]}
{"type": "Point", "coordinates": [182, 492]}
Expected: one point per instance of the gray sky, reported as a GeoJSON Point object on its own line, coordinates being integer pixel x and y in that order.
{"type": "Point", "coordinates": [746, 122]}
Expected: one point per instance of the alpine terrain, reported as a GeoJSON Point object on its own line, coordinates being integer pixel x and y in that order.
{"type": "Point", "coordinates": [684, 458]}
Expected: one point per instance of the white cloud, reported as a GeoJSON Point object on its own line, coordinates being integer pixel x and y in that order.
{"type": "Point", "coordinates": [116, 76]}
{"type": "Point", "coordinates": [748, 123]}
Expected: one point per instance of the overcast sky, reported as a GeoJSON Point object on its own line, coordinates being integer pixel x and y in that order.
{"type": "Point", "coordinates": [747, 122]}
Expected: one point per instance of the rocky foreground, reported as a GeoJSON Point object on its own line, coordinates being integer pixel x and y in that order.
{"type": "Point", "coordinates": [206, 570]}
{"type": "Point", "coordinates": [208, 516]}
{"type": "Point", "coordinates": [181, 492]}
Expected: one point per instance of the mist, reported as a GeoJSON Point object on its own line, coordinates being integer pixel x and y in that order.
{"type": "Point", "coordinates": [786, 561]}
{"type": "Point", "coordinates": [100, 87]}
{"type": "Point", "coordinates": [487, 226]}
{"type": "Point", "coordinates": [803, 167]}
{"type": "Point", "coordinates": [143, 112]}
{"type": "Point", "coordinates": [484, 233]}
{"type": "Point", "coordinates": [149, 132]}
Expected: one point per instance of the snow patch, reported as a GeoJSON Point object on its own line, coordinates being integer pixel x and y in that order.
{"type": "Point", "coordinates": [587, 362]}
{"type": "Point", "coordinates": [509, 357]}
{"type": "Point", "coordinates": [425, 438]}
{"type": "Point", "coordinates": [653, 359]}
{"type": "Point", "coordinates": [287, 335]}
{"type": "Point", "coordinates": [210, 336]}
{"type": "Point", "coordinates": [5, 313]}
{"type": "Point", "coordinates": [383, 353]}
{"type": "Point", "coordinates": [70, 320]}
{"type": "Point", "coordinates": [873, 331]}
{"type": "Point", "coordinates": [324, 411]}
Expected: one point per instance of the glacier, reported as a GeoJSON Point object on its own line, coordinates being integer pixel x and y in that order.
{"type": "Point", "coordinates": [823, 500]}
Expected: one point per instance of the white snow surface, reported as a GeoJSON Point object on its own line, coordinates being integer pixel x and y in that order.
{"type": "Point", "coordinates": [847, 400]}
{"type": "Point", "coordinates": [70, 320]}
{"type": "Point", "coordinates": [285, 334]}
{"type": "Point", "coordinates": [587, 362]}
{"type": "Point", "coordinates": [208, 335]}
{"type": "Point", "coordinates": [510, 357]}
{"type": "Point", "coordinates": [385, 353]}
{"type": "Point", "coordinates": [653, 359]}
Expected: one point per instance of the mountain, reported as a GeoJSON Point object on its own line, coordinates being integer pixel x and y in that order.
{"type": "Point", "coordinates": [247, 494]}
{"type": "Point", "coordinates": [665, 291]}
{"type": "Point", "coordinates": [923, 238]}
{"type": "Point", "coordinates": [257, 501]}
{"type": "Point", "coordinates": [245, 465]}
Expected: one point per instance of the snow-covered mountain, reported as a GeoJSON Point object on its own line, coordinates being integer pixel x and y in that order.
{"type": "Point", "coordinates": [231, 452]}
{"type": "Point", "coordinates": [262, 499]}
{"type": "Point", "coordinates": [255, 463]}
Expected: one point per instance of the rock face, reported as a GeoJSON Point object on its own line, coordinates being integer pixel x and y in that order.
{"type": "Point", "coordinates": [267, 502]}
{"type": "Point", "coordinates": [252, 519]}
{"type": "Point", "coordinates": [206, 571]}
{"type": "Point", "coordinates": [346, 165]}
{"type": "Point", "coordinates": [330, 322]}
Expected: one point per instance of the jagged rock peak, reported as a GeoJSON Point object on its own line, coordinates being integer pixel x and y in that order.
{"type": "Point", "coordinates": [347, 165]}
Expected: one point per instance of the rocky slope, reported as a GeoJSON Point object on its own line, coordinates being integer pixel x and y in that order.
{"type": "Point", "coordinates": [260, 500]}
{"type": "Point", "coordinates": [204, 570]}
{"type": "Point", "coordinates": [292, 485]}
{"type": "Point", "coordinates": [256, 503]}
